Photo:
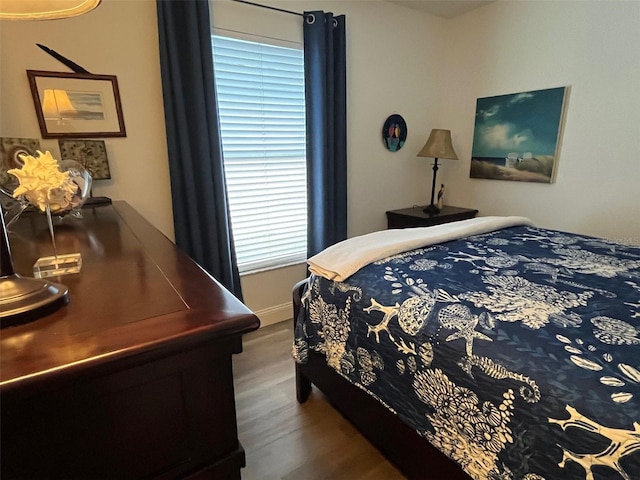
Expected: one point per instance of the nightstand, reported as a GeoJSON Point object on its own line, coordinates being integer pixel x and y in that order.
{"type": "Point", "coordinates": [415, 217]}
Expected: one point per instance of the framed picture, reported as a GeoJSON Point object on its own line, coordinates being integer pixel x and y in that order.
{"type": "Point", "coordinates": [394, 132]}
{"type": "Point", "coordinates": [91, 154]}
{"type": "Point", "coordinates": [76, 105]}
{"type": "Point", "coordinates": [517, 136]}
{"type": "Point", "coordinates": [10, 151]}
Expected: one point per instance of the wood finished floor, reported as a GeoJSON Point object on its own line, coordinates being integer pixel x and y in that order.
{"type": "Point", "coordinates": [285, 440]}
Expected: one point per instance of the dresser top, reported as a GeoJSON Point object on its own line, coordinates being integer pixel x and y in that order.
{"type": "Point", "coordinates": [136, 294]}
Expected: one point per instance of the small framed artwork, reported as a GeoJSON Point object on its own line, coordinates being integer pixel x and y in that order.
{"type": "Point", "coordinates": [394, 132]}
{"type": "Point", "coordinates": [10, 151]}
{"type": "Point", "coordinates": [91, 154]}
{"type": "Point", "coordinates": [517, 136]}
{"type": "Point", "coordinates": [76, 105]}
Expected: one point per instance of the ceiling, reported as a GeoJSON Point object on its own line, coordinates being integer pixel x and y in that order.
{"type": "Point", "coordinates": [442, 8]}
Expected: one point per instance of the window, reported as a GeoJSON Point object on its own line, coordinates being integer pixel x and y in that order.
{"type": "Point", "coordinates": [260, 89]}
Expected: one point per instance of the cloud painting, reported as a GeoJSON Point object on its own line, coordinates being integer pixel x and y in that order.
{"type": "Point", "coordinates": [516, 137]}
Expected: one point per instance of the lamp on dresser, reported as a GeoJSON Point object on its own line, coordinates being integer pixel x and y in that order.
{"type": "Point", "coordinates": [438, 146]}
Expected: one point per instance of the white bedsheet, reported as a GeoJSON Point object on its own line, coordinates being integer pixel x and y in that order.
{"type": "Point", "coordinates": [340, 261]}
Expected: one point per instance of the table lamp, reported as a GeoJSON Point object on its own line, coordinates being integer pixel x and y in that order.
{"type": "Point", "coordinates": [438, 146]}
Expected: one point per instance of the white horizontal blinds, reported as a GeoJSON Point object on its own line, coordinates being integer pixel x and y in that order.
{"type": "Point", "coordinates": [260, 90]}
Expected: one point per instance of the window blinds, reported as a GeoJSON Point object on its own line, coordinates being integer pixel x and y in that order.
{"type": "Point", "coordinates": [260, 91]}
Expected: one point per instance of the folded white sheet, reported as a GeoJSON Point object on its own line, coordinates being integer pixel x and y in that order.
{"type": "Point", "coordinates": [343, 259]}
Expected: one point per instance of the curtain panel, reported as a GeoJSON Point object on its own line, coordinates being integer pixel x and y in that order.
{"type": "Point", "coordinates": [200, 207]}
{"type": "Point", "coordinates": [326, 117]}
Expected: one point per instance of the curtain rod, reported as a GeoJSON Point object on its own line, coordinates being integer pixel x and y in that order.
{"type": "Point", "coordinates": [270, 8]}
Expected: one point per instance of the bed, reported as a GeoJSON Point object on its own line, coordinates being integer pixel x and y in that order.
{"type": "Point", "coordinates": [485, 349]}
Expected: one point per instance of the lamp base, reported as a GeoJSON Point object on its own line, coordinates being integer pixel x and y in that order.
{"type": "Point", "coordinates": [431, 210]}
{"type": "Point", "coordinates": [23, 299]}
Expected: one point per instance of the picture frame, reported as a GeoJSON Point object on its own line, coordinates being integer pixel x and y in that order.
{"type": "Point", "coordinates": [76, 105]}
{"type": "Point", "coordinates": [394, 132]}
{"type": "Point", "coordinates": [91, 154]}
{"type": "Point", "coordinates": [517, 136]}
{"type": "Point", "coordinates": [10, 150]}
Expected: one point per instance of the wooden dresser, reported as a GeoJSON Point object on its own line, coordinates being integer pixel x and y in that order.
{"type": "Point", "coordinates": [133, 378]}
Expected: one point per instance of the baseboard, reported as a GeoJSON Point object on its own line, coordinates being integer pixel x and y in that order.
{"type": "Point", "coordinates": [275, 314]}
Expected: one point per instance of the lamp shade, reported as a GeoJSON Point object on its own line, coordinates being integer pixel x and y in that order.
{"type": "Point", "coordinates": [56, 104]}
{"type": "Point", "coordinates": [44, 9]}
{"type": "Point", "coordinates": [439, 145]}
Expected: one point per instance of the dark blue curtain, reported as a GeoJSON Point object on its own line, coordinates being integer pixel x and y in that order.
{"type": "Point", "coordinates": [326, 110]}
{"type": "Point", "coordinates": [200, 207]}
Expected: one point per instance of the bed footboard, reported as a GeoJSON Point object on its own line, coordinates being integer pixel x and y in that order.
{"type": "Point", "coordinates": [303, 384]}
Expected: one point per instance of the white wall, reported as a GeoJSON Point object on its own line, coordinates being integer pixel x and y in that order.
{"type": "Point", "coordinates": [594, 48]}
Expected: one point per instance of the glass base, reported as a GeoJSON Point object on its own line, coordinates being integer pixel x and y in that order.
{"type": "Point", "coordinates": [57, 265]}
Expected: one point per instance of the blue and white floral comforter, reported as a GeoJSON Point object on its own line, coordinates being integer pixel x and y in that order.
{"type": "Point", "coordinates": [515, 352]}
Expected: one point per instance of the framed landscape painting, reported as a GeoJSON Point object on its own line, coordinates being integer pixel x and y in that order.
{"type": "Point", "coordinates": [76, 105]}
{"type": "Point", "coordinates": [517, 136]}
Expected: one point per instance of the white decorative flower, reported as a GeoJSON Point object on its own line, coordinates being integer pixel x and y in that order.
{"type": "Point", "coordinates": [591, 263]}
{"type": "Point", "coordinates": [501, 261]}
{"type": "Point", "coordinates": [471, 433]}
{"type": "Point", "coordinates": [615, 332]}
{"type": "Point", "coordinates": [423, 264]}
{"type": "Point", "coordinates": [42, 183]}
{"type": "Point", "coordinates": [516, 299]}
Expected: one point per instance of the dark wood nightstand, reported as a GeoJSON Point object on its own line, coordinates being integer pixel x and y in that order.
{"type": "Point", "coordinates": [415, 217]}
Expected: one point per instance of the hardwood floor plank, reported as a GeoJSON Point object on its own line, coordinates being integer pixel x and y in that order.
{"type": "Point", "coordinates": [284, 440]}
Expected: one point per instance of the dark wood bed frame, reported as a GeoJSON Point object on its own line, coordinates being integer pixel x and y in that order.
{"type": "Point", "coordinates": [412, 454]}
